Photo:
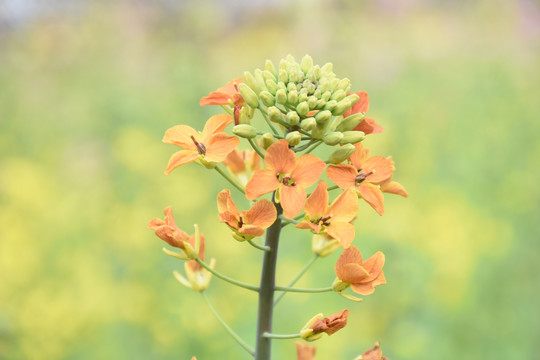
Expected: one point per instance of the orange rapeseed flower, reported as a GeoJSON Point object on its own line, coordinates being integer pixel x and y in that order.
{"type": "Point", "coordinates": [222, 95]}
{"type": "Point", "coordinates": [212, 145]}
{"type": "Point", "coordinates": [246, 224]}
{"type": "Point", "coordinates": [286, 174]}
{"type": "Point", "coordinates": [243, 163]}
{"type": "Point", "coordinates": [334, 219]}
{"type": "Point", "coordinates": [168, 231]}
{"type": "Point", "coordinates": [374, 353]}
{"type": "Point", "coordinates": [365, 174]}
{"type": "Point", "coordinates": [305, 351]}
{"type": "Point", "coordinates": [330, 324]}
{"type": "Point", "coordinates": [363, 276]}
{"type": "Point", "coordinates": [368, 125]}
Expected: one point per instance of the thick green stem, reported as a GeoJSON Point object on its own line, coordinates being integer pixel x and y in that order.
{"type": "Point", "coordinates": [297, 277]}
{"type": "Point", "coordinates": [266, 290]}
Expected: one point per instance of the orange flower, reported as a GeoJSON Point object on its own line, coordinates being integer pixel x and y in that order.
{"type": "Point", "coordinates": [368, 125]}
{"type": "Point", "coordinates": [362, 276]}
{"type": "Point", "coordinates": [330, 324]}
{"type": "Point", "coordinates": [365, 175]}
{"type": "Point", "coordinates": [198, 278]}
{"type": "Point", "coordinates": [305, 351]}
{"type": "Point", "coordinates": [334, 219]}
{"type": "Point", "coordinates": [210, 146]}
{"type": "Point", "coordinates": [286, 174]}
{"type": "Point", "coordinates": [243, 163]}
{"type": "Point", "coordinates": [222, 95]}
{"type": "Point", "coordinates": [168, 231]}
{"type": "Point", "coordinates": [246, 224]}
{"type": "Point", "coordinates": [375, 353]}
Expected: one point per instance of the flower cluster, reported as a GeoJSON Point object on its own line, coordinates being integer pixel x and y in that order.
{"type": "Point", "coordinates": [305, 106]}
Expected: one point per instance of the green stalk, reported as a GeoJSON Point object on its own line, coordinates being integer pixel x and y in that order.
{"type": "Point", "coordinates": [297, 277]}
{"type": "Point", "coordinates": [281, 336]}
{"type": "Point", "coordinates": [226, 278]}
{"type": "Point", "coordinates": [229, 179]}
{"type": "Point", "coordinates": [304, 290]}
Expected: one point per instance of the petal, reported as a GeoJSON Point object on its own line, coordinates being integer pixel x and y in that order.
{"type": "Point", "coordinates": [262, 214]}
{"type": "Point", "coordinates": [292, 200]}
{"type": "Point", "coordinates": [251, 230]}
{"type": "Point", "coordinates": [180, 135]}
{"type": "Point", "coordinates": [219, 146]}
{"type": "Point", "coordinates": [359, 156]}
{"type": "Point", "coordinates": [348, 256]}
{"type": "Point", "coordinates": [344, 207]}
{"type": "Point", "coordinates": [343, 175]}
{"type": "Point", "coordinates": [317, 202]}
{"type": "Point", "coordinates": [222, 95]}
{"type": "Point", "coordinates": [343, 232]}
{"type": "Point", "coordinates": [280, 158]}
{"type": "Point", "coordinates": [308, 170]}
{"type": "Point", "coordinates": [262, 182]}
{"type": "Point", "coordinates": [361, 106]}
{"type": "Point", "coordinates": [382, 168]}
{"type": "Point", "coordinates": [372, 195]}
{"type": "Point", "coordinates": [369, 126]}
{"type": "Point", "coordinates": [235, 162]}
{"type": "Point", "coordinates": [180, 158]}
{"type": "Point", "coordinates": [226, 203]}
{"type": "Point", "coordinates": [254, 160]}
{"type": "Point", "coordinates": [305, 351]}
{"type": "Point", "coordinates": [155, 223]}
{"type": "Point", "coordinates": [354, 273]}
{"type": "Point", "coordinates": [374, 264]}
{"type": "Point", "coordinates": [215, 124]}
{"type": "Point", "coordinates": [229, 218]}
{"type": "Point", "coordinates": [306, 225]}
{"type": "Point", "coordinates": [393, 187]}
{"type": "Point", "coordinates": [363, 289]}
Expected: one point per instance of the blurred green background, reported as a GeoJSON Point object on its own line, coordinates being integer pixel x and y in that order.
{"type": "Point", "coordinates": [87, 90]}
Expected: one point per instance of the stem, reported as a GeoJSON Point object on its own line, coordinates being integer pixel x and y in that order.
{"type": "Point", "coordinates": [270, 125]}
{"type": "Point", "coordinates": [313, 147]}
{"type": "Point", "coordinates": [256, 148]}
{"type": "Point", "coordinates": [281, 336]}
{"type": "Point", "coordinates": [305, 146]}
{"type": "Point", "coordinates": [227, 109]}
{"type": "Point", "coordinates": [229, 179]}
{"type": "Point", "coordinates": [297, 277]}
{"type": "Point", "coordinates": [227, 327]}
{"type": "Point", "coordinates": [226, 278]}
{"type": "Point", "coordinates": [332, 188]}
{"type": "Point", "coordinates": [288, 221]}
{"type": "Point", "coordinates": [257, 246]}
{"type": "Point", "coordinates": [266, 293]}
{"type": "Point", "coordinates": [303, 290]}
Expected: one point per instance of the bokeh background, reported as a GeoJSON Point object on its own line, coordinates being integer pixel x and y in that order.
{"type": "Point", "coordinates": [87, 89]}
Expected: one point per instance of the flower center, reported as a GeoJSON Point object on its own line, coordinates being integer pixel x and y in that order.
{"type": "Point", "coordinates": [287, 181]}
{"type": "Point", "coordinates": [201, 149]}
{"type": "Point", "coordinates": [361, 176]}
{"type": "Point", "coordinates": [240, 222]}
{"type": "Point", "coordinates": [322, 220]}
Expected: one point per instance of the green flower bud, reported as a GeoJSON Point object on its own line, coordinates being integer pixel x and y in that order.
{"type": "Point", "coordinates": [324, 86]}
{"type": "Point", "coordinates": [312, 102]}
{"type": "Point", "coordinates": [308, 124]}
{"type": "Point", "coordinates": [281, 97]}
{"type": "Point", "coordinates": [283, 65]}
{"type": "Point", "coordinates": [341, 154]}
{"type": "Point", "coordinates": [302, 109]}
{"type": "Point", "coordinates": [330, 105]}
{"type": "Point", "coordinates": [345, 85]}
{"type": "Point", "coordinates": [292, 97]}
{"type": "Point", "coordinates": [317, 93]}
{"type": "Point", "coordinates": [269, 66]}
{"type": "Point", "coordinates": [293, 76]}
{"type": "Point", "coordinates": [267, 98]}
{"type": "Point", "coordinates": [267, 75]}
{"type": "Point", "coordinates": [323, 116]}
{"type": "Point", "coordinates": [245, 131]}
{"type": "Point", "coordinates": [260, 79]}
{"type": "Point", "coordinates": [320, 130]}
{"type": "Point", "coordinates": [352, 137]}
{"type": "Point", "coordinates": [250, 81]}
{"type": "Point", "coordinates": [353, 98]}
{"type": "Point", "coordinates": [315, 73]}
{"type": "Point", "coordinates": [332, 138]}
{"type": "Point", "coordinates": [292, 118]}
{"type": "Point", "coordinates": [291, 87]}
{"type": "Point", "coordinates": [338, 95]}
{"type": "Point", "coordinates": [303, 97]}
{"type": "Point", "coordinates": [293, 138]}
{"type": "Point", "coordinates": [246, 114]}
{"type": "Point", "coordinates": [249, 95]}
{"type": "Point", "coordinates": [306, 64]}
{"type": "Point", "coordinates": [290, 59]}
{"type": "Point", "coordinates": [323, 245]}
{"type": "Point", "coordinates": [281, 85]}
{"type": "Point", "coordinates": [350, 122]}
{"type": "Point", "coordinates": [271, 86]}
{"type": "Point", "coordinates": [283, 76]}
{"type": "Point", "coordinates": [320, 104]}
{"type": "Point", "coordinates": [267, 140]}
{"type": "Point", "coordinates": [326, 95]}
{"type": "Point", "coordinates": [341, 107]}
{"type": "Point", "coordinates": [275, 115]}
{"type": "Point", "coordinates": [334, 84]}
{"type": "Point", "coordinates": [301, 76]}
{"type": "Point", "coordinates": [327, 68]}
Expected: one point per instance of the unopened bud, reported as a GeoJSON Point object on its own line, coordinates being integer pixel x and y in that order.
{"type": "Point", "coordinates": [267, 75]}
{"type": "Point", "coordinates": [323, 116]}
{"type": "Point", "coordinates": [303, 96]}
{"type": "Point", "coordinates": [320, 130]}
{"type": "Point", "coordinates": [338, 95]}
{"type": "Point", "coordinates": [250, 81]}
{"type": "Point", "coordinates": [352, 137]}
{"type": "Point", "coordinates": [269, 66]}
{"type": "Point", "coordinates": [353, 98]}
{"type": "Point", "coordinates": [260, 80]}
{"type": "Point", "coordinates": [324, 86]}
{"type": "Point", "coordinates": [307, 332]}
{"type": "Point", "coordinates": [267, 140]}
{"type": "Point", "coordinates": [341, 107]}
{"type": "Point", "coordinates": [292, 97]}
{"type": "Point", "coordinates": [345, 85]}
{"type": "Point", "coordinates": [306, 64]}
{"type": "Point", "coordinates": [315, 73]}
{"type": "Point", "coordinates": [282, 85]}
{"type": "Point", "coordinates": [293, 76]}
{"type": "Point", "coordinates": [334, 84]}
{"type": "Point", "coordinates": [312, 102]}
{"type": "Point", "coordinates": [292, 118]}
{"type": "Point", "coordinates": [326, 95]}
{"type": "Point", "coordinates": [293, 138]}
{"type": "Point", "coordinates": [281, 96]}
{"type": "Point", "coordinates": [291, 87]}
{"type": "Point", "coordinates": [330, 105]}
{"type": "Point", "coordinates": [324, 245]}
{"type": "Point", "coordinates": [290, 59]}
{"type": "Point", "coordinates": [341, 154]}
{"type": "Point", "coordinates": [245, 115]}
{"type": "Point", "coordinates": [332, 138]}
{"type": "Point", "coordinates": [327, 68]}
{"type": "Point", "coordinates": [249, 95]}
{"type": "Point", "coordinates": [271, 86]}
{"type": "Point", "coordinates": [283, 76]}
{"type": "Point", "coordinates": [302, 109]}
{"type": "Point", "coordinates": [245, 131]}
{"type": "Point", "coordinates": [350, 122]}
{"type": "Point", "coordinates": [267, 98]}
{"type": "Point", "coordinates": [308, 124]}
{"type": "Point", "coordinates": [275, 115]}
{"type": "Point", "coordinates": [320, 104]}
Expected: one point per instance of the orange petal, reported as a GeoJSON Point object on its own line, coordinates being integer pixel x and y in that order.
{"type": "Point", "coordinates": [262, 214]}
{"type": "Point", "coordinates": [222, 95]}
{"type": "Point", "coordinates": [180, 135]}
{"type": "Point", "coordinates": [305, 351]}
{"type": "Point", "coordinates": [317, 202]}
{"type": "Point", "coordinates": [219, 146]}
{"type": "Point", "coordinates": [215, 124]}
{"type": "Point", "coordinates": [343, 232]}
{"type": "Point", "coordinates": [280, 158]}
{"type": "Point", "coordinates": [180, 158]}
{"type": "Point", "coordinates": [155, 223]}
{"type": "Point", "coordinates": [393, 187]}
{"type": "Point", "coordinates": [292, 200]}
{"type": "Point", "coordinates": [344, 207]}
{"type": "Point", "coordinates": [369, 126]}
{"type": "Point", "coordinates": [226, 203]}
{"type": "Point", "coordinates": [359, 156]}
{"type": "Point", "coordinates": [374, 264]}
{"type": "Point", "coordinates": [235, 162]}
{"type": "Point", "coordinates": [229, 218]}
{"type": "Point", "coordinates": [169, 219]}
{"type": "Point", "coordinates": [382, 168]}
{"type": "Point", "coordinates": [254, 160]}
{"type": "Point", "coordinates": [251, 230]}
{"type": "Point", "coordinates": [343, 175]}
{"type": "Point", "coordinates": [262, 182]}
{"type": "Point", "coordinates": [350, 255]}
{"type": "Point", "coordinates": [372, 195]}
{"type": "Point", "coordinates": [363, 289]}
{"type": "Point", "coordinates": [361, 106]}
{"type": "Point", "coordinates": [215, 98]}
{"type": "Point", "coordinates": [308, 170]}
{"type": "Point", "coordinates": [305, 225]}
{"type": "Point", "coordinates": [354, 273]}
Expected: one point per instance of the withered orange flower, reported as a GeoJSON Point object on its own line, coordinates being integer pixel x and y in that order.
{"type": "Point", "coordinates": [368, 125]}
{"type": "Point", "coordinates": [331, 324]}
{"type": "Point", "coordinates": [363, 276]}
{"type": "Point", "coordinates": [374, 353]}
{"type": "Point", "coordinates": [305, 351]}
{"type": "Point", "coordinates": [243, 163]}
{"type": "Point", "coordinates": [287, 174]}
{"type": "Point", "coordinates": [212, 145]}
{"type": "Point", "coordinates": [168, 231]}
{"type": "Point", "coordinates": [246, 224]}
{"type": "Point", "coordinates": [222, 95]}
{"type": "Point", "coordinates": [365, 174]}
{"type": "Point", "coordinates": [334, 219]}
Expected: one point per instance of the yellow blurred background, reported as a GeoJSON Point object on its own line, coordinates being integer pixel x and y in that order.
{"type": "Point", "coordinates": [87, 90]}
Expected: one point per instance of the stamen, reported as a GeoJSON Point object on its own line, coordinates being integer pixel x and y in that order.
{"type": "Point", "coordinates": [201, 149]}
